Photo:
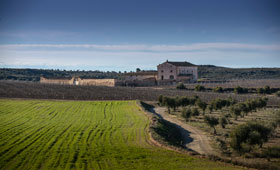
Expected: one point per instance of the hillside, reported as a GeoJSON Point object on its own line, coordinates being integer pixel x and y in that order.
{"type": "Point", "coordinates": [224, 73]}
{"type": "Point", "coordinates": [34, 74]}
{"type": "Point", "coordinates": [204, 71]}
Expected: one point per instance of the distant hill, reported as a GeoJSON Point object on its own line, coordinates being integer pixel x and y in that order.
{"type": "Point", "coordinates": [224, 73]}
{"type": "Point", "coordinates": [35, 74]}
{"type": "Point", "coordinates": [204, 71]}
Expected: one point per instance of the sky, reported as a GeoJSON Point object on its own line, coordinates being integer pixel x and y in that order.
{"type": "Point", "coordinates": [122, 35]}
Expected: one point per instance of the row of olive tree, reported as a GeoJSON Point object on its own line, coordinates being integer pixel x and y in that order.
{"type": "Point", "coordinates": [242, 109]}
{"type": "Point", "coordinates": [175, 102]}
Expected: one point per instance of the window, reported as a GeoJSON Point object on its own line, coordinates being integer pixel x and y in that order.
{"type": "Point", "coordinates": [162, 71]}
{"type": "Point", "coordinates": [161, 77]}
{"type": "Point", "coordinates": [171, 71]}
{"type": "Point", "coordinates": [171, 77]}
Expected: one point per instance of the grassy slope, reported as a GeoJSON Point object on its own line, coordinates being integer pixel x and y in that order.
{"type": "Point", "coordinates": [38, 134]}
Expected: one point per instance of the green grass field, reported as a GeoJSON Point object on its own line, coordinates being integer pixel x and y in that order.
{"type": "Point", "coordinates": [37, 134]}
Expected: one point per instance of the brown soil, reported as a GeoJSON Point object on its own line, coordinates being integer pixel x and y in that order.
{"type": "Point", "coordinates": [194, 139]}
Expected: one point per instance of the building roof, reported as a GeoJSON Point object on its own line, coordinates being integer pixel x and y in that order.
{"type": "Point", "coordinates": [180, 63]}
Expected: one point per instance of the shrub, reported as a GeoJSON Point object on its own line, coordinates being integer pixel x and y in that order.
{"type": "Point", "coordinates": [240, 90]}
{"type": "Point", "coordinates": [180, 86]}
{"type": "Point", "coordinates": [185, 101]}
{"type": "Point", "coordinates": [160, 99]}
{"type": "Point", "coordinates": [272, 152]}
{"type": "Point", "coordinates": [210, 108]}
{"type": "Point", "coordinates": [267, 90]}
{"type": "Point", "coordinates": [218, 89]}
{"type": "Point", "coordinates": [278, 93]}
{"type": "Point", "coordinates": [244, 136]}
{"type": "Point", "coordinates": [260, 90]}
{"type": "Point", "coordinates": [199, 88]}
{"type": "Point", "coordinates": [223, 121]}
{"type": "Point", "coordinates": [195, 112]}
{"type": "Point", "coordinates": [168, 102]}
{"type": "Point", "coordinates": [211, 121]}
{"type": "Point", "coordinates": [236, 111]}
{"type": "Point", "coordinates": [202, 105]}
{"type": "Point", "coordinates": [186, 113]}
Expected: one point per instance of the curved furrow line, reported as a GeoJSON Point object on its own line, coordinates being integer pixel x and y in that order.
{"type": "Point", "coordinates": [20, 130]}
{"type": "Point", "coordinates": [20, 142]}
{"type": "Point", "coordinates": [19, 113]}
{"type": "Point", "coordinates": [19, 151]}
{"type": "Point", "coordinates": [77, 140]}
{"type": "Point", "coordinates": [27, 151]}
{"type": "Point", "coordinates": [67, 142]}
{"type": "Point", "coordinates": [40, 149]}
{"type": "Point", "coordinates": [17, 116]}
{"type": "Point", "coordinates": [73, 155]}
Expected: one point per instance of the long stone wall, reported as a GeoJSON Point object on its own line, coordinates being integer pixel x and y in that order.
{"type": "Point", "coordinates": [79, 81]}
{"type": "Point", "coordinates": [56, 81]}
{"type": "Point", "coordinates": [98, 82]}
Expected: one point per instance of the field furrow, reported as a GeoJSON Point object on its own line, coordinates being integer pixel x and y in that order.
{"type": "Point", "coordinates": [97, 135]}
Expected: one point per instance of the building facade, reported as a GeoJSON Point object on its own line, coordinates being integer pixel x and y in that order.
{"type": "Point", "coordinates": [177, 72]}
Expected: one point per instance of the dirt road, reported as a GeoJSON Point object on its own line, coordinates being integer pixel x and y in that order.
{"type": "Point", "coordinates": [194, 139]}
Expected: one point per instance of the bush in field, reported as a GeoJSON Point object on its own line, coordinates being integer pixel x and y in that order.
{"type": "Point", "coordinates": [223, 121]}
{"type": "Point", "coordinates": [202, 105]}
{"type": "Point", "coordinates": [186, 113]}
{"type": "Point", "coordinates": [199, 88]}
{"type": "Point", "coordinates": [180, 86]}
{"type": "Point", "coordinates": [218, 90]}
{"type": "Point", "coordinates": [212, 122]}
{"type": "Point", "coordinates": [260, 90]}
{"type": "Point", "coordinates": [168, 102]}
{"type": "Point", "coordinates": [195, 112]}
{"type": "Point", "coordinates": [271, 152]}
{"type": "Point", "coordinates": [243, 108]}
{"type": "Point", "coordinates": [193, 100]}
{"type": "Point", "coordinates": [236, 111]}
{"type": "Point", "coordinates": [210, 108]}
{"type": "Point", "coordinates": [261, 102]}
{"type": "Point", "coordinates": [277, 119]}
{"type": "Point", "coordinates": [240, 90]}
{"type": "Point", "coordinates": [160, 99]}
{"type": "Point", "coordinates": [185, 101]}
{"type": "Point", "coordinates": [267, 90]}
{"type": "Point", "coordinates": [244, 136]}
{"type": "Point", "coordinates": [278, 93]}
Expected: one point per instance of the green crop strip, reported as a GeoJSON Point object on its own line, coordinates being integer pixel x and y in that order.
{"type": "Point", "coordinates": [36, 134]}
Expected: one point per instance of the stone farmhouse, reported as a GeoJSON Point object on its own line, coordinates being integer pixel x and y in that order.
{"type": "Point", "coordinates": [167, 73]}
{"type": "Point", "coordinates": [170, 71]}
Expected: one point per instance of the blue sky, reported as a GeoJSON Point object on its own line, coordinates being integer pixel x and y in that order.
{"type": "Point", "coordinates": [126, 34]}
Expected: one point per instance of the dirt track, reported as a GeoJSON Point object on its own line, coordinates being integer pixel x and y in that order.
{"type": "Point", "coordinates": [194, 139]}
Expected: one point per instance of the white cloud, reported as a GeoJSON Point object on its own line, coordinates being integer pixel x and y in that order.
{"type": "Point", "coordinates": [156, 48]}
{"type": "Point", "coordinates": [129, 57]}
